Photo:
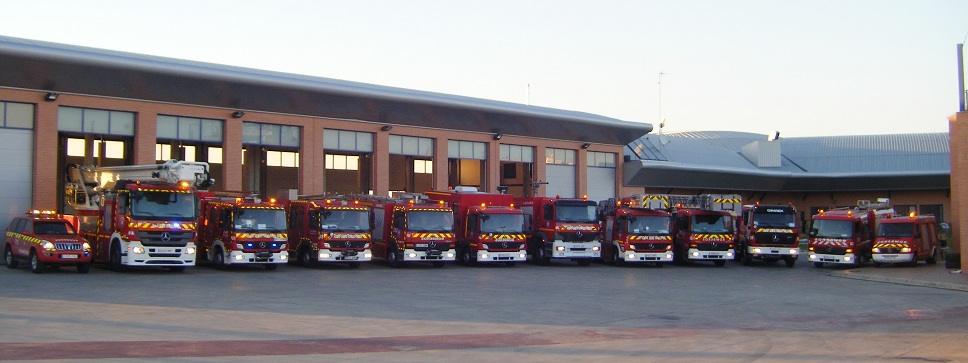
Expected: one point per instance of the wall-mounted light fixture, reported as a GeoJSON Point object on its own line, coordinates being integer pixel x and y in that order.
{"type": "Point", "coordinates": [386, 128]}
{"type": "Point", "coordinates": [238, 114]}
{"type": "Point", "coordinates": [498, 136]}
{"type": "Point", "coordinates": [586, 145]}
{"type": "Point", "coordinates": [51, 96]}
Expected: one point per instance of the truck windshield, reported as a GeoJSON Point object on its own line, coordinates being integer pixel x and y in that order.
{"type": "Point", "coordinates": [576, 213]}
{"type": "Point", "coordinates": [167, 206]}
{"type": "Point", "coordinates": [895, 230]}
{"type": "Point", "coordinates": [430, 221]}
{"type": "Point", "coordinates": [712, 224]}
{"type": "Point", "coordinates": [53, 228]}
{"type": "Point", "coordinates": [649, 225]}
{"type": "Point", "coordinates": [832, 228]}
{"type": "Point", "coordinates": [774, 220]}
{"type": "Point", "coordinates": [260, 219]}
{"type": "Point", "coordinates": [345, 220]}
{"type": "Point", "coordinates": [502, 223]}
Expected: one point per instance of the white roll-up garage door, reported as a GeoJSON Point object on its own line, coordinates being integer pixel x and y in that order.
{"type": "Point", "coordinates": [561, 181]}
{"type": "Point", "coordinates": [601, 183]}
{"type": "Point", "coordinates": [16, 180]}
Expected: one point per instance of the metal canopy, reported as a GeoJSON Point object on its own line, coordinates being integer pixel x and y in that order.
{"type": "Point", "coordinates": [45, 66]}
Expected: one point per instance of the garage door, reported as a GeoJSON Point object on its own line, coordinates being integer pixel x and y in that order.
{"type": "Point", "coordinates": [561, 181]}
{"type": "Point", "coordinates": [16, 146]}
{"type": "Point", "coordinates": [601, 183]}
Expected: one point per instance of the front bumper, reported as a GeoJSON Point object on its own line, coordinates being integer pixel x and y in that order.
{"type": "Point", "coordinates": [696, 254]}
{"type": "Point", "coordinates": [848, 258]}
{"type": "Point", "coordinates": [560, 249]}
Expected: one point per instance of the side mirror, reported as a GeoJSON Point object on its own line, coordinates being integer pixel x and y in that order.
{"type": "Point", "coordinates": [813, 232]}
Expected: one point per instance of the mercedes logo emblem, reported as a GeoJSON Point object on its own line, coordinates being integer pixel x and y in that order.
{"type": "Point", "coordinates": [776, 238]}
{"type": "Point", "coordinates": [504, 245]}
{"type": "Point", "coordinates": [262, 245]}
{"type": "Point", "coordinates": [165, 236]}
{"type": "Point", "coordinates": [714, 244]}
{"type": "Point", "coordinates": [578, 234]}
{"type": "Point", "coordinates": [347, 243]}
{"type": "Point", "coordinates": [432, 244]}
{"type": "Point", "coordinates": [651, 246]}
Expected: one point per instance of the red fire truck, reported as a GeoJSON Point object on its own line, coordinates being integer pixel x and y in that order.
{"type": "Point", "coordinates": [334, 229]}
{"type": "Point", "coordinates": [489, 228]}
{"type": "Point", "coordinates": [906, 240]}
{"type": "Point", "coordinates": [411, 229]}
{"type": "Point", "coordinates": [770, 233]}
{"type": "Point", "coordinates": [42, 238]}
{"type": "Point", "coordinates": [562, 228]}
{"type": "Point", "coordinates": [239, 228]}
{"type": "Point", "coordinates": [139, 215]}
{"type": "Point", "coordinates": [634, 233]}
{"type": "Point", "coordinates": [846, 235]}
{"type": "Point", "coordinates": [703, 225]}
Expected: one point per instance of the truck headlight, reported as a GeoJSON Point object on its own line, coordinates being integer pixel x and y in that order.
{"type": "Point", "coordinates": [794, 251]}
{"type": "Point", "coordinates": [86, 246]}
{"type": "Point", "coordinates": [282, 246]}
{"type": "Point", "coordinates": [756, 250]}
{"type": "Point", "coordinates": [137, 250]}
{"type": "Point", "coordinates": [596, 248]}
{"type": "Point", "coordinates": [876, 250]}
{"type": "Point", "coordinates": [560, 248]}
{"type": "Point", "coordinates": [190, 250]}
{"type": "Point", "coordinates": [906, 250]}
{"type": "Point", "coordinates": [47, 245]}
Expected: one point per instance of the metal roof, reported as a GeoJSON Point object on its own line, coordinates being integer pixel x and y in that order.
{"type": "Point", "coordinates": [713, 160]}
{"type": "Point", "coordinates": [37, 65]}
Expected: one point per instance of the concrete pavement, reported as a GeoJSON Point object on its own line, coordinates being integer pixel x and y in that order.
{"type": "Point", "coordinates": [934, 276]}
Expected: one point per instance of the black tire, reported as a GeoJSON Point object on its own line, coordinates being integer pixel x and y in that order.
{"type": "Point", "coordinates": [392, 259]}
{"type": "Point", "coordinates": [271, 266]}
{"type": "Point", "coordinates": [934, 257]}
{"type": "Point", "coordinates": [719, 263]}
{"type": "Point", "coordinates": [541, 257]}
{"type": "Point", "coordinates": [616, 258]}
{"type": "Point", "coordinates": [218, 258]}
{"type": "Point", "coordinates": [35, 265]}
{"type": "Point", "coordinates": [790, 261]}
{"type": "Point", "coordinates": [306, 258]}
{"type": "Point", "coordinates": [438, 264]}
{"type": "Point", "coordinates": [8, 258]}
{"type": "Point", "coordinates": [354, 265]}
{"type": "Point", "coordinates": [468, 259]}
{"type": "Point", "coordinates": [678, 257]}
{"type": "Point", "coordinates": [115, 258]}
{"type": "Point", "coordinates": [584, 262]}
{"type": "Point", "coordinates": [83, 268]}
{"type": "Point", "coordinates": [177, 269]}
{"type": "Point", "coordinates": [818, 264]}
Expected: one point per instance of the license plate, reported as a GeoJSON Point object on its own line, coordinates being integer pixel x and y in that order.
{"type": "Point", "coordinates": [421, 245]}
{"type": "Point", "coordinates": [774, 251]}
{"type": "Point", "coordinates": [889, 257]}
{"type": "Point", "coordinates": [578, 246]}
{"type": "Point", "coordinates": [69, 256]}
{"type": "Point", "coordinates": [165, 250]}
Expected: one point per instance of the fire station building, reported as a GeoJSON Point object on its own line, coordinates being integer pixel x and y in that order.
{"type": "Point", "coordinates": [274, 132]}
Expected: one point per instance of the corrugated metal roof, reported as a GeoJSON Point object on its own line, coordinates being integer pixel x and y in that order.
{"type": "Point", "coordinates": [37, 65]}
{"type": "Point", "coordinates": [712, 159]}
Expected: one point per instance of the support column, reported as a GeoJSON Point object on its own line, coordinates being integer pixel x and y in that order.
{"type": "Point", "coordinates": [957, 134]}
{"type": "Point", "coordinates": [45, 153]}
{"type": "Point", "coordinates": [381, 163]}
{"type": "Point", "coordinates": [232, 155]}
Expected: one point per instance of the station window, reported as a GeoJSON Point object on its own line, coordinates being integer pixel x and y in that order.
{"type": "Point", "coordinates": [409, 145]}
{"type": "Point", "coordinates": [517, 153]}
{"type": "Point", "coordinates": [600, 159]}
{"type": "Point", "coordinates": [342, 162]}
{"type": "Point", "coordinates": [347, 140]}
{"type": "Point", "coordinates": [559, 156]}
{"type": "Point", "coordinates": [423, 166]}
{"type": "Point", "coordinates": [16, 115]}
{"type": "Point", "coordinates": [286, 159]}
{"type": "Point", "coordinates": [457, 149]}
{"type": "Point", "coordinates": [94, 121]}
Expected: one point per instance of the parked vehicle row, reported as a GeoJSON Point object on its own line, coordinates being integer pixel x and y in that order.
{"type": "Point", "coordinates": [163, 216]}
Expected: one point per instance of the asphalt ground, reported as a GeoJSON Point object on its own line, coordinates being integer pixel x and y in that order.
{"type": "Point", "coordinates": [563, 312]}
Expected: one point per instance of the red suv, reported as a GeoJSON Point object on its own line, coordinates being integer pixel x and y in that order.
{"type": "Point", "coordinates": [43, 239]}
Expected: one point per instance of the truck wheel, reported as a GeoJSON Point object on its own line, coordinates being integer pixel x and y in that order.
{"type": "Point", "coordinates": [719, 263]}
{"type": "Point", "coordinates": [584, 262]}
{"type": "Point", "coordinates": [541, 256]}
{"type": "Point", "coordinates": [36, 266]}
{"type": "Point", "coordinates": [271, 266]}
{"type": "Point", "coordinates": [468, 259]}
{"type": "Point", "coordinates": [790, 261]}
{"type": "Point", "coordinates": [818, 264]}
{"type": "Point", "coordinates": [616, 258]}
{"type": "Point", "coordinates": [306, 258]}
{"type": "Point", "coordinates": [115, 258]}
{"type": "Point", "coordinates": [747, 259]}
{"type": "Point", "coordinates": [8, 258]}
{"type": "Point", "coordinates": [218, 258]}
{"type": "Point", "coordinates": [934, 257]}
{"type": "Point", "coordinates": [678, 257]}
{"type": "Point", "coordinates": [84, 268]}
{"type": "Point", "coordinates": [392, 259]}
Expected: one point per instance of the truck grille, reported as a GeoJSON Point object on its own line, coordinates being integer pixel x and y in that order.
{"type": "Point", "coordinates": [507, 246]}
{"type": "Point", "coordinates": [781, 238]}
{"type": "Point", "coordinates": [650, 246]}
{"type": "Point", "coordinates": [719, 246]}
{"type": "Point", "coordinates": [340, 245]}
{"type": "Point", "coordinates": [829, 250]}
{"type": "Point", "coordinates": [67, 246]}
{"type": "Point", "coordinates": [575, 237]}
{"type": "Point", "coordinates": [890, 250]}
{"type": "Point", "coordinates": [175, 239]}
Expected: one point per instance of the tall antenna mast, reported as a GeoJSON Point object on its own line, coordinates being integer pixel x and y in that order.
{"type": "Point", "coordinates": [661, 117]}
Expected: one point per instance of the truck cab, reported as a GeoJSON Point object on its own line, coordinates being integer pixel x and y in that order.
{"type": "Point", "coordinates": [632, 233]}
{"type": "Point", "coordinates": [237, 230]}
{"type": "Point", "coordinates": [331, 229]}
{"type": "Point", "coordinates": [769, 233]}
{"type": "Point", "coordinates": [489, 229]}
{"type": "Point", "coordinates": [412, 229]}
{"type": "Point", "coordinates": [563, 228]}
{"type": "Point", "coordinates": [906, 240]}
{"type": "Point", "coordinates": [845, 236]}
{"type": "Point", "coordinates": [42, 239]}
{"type": "Point", "coordinates": [702, 235]}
